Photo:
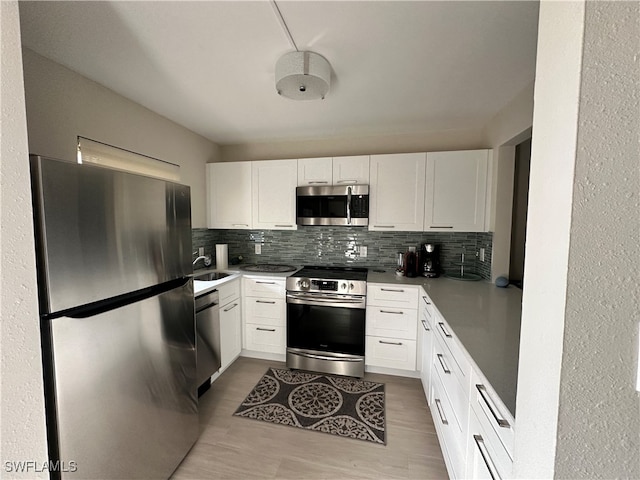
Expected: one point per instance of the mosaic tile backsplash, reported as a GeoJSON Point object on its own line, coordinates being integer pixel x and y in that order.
{"type": "Point", "coordinates": [341, 246]}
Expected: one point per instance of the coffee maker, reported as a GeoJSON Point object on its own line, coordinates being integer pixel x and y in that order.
{"type": "Point", "coordinates": [429, 260]}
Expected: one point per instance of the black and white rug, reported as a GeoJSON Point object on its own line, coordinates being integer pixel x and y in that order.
{"type": "Point", "coordinates": [344, 406]}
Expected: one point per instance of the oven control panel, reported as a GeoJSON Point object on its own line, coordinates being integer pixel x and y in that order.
{"type": "Point", "coordinates": [328, 286]}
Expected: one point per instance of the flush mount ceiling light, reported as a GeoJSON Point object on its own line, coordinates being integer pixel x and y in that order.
{"type": "Point", "coordinates": [301, 75]}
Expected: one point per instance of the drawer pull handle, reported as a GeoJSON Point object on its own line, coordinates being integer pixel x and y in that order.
{"type": "Point", "coordinates": [424, 324]}
{"type": "Point", "coordinates": [230, 308]}
{"type": "Point", "coordinates": [492, 408]}
{"type": "Point", "coordinates": [384, 226]}
{"type": "Point", "coordinates": [486, 457]}
{"type": "Point", "coordinates": [446, 334]}
{"type": "Point", "coordinates": [397, 290]}
{"type": "Point", "coordinates": [390, 343]}
{"type": "Point", "coordinates": [271, 302]}
{"type": "Point", "coordinates": [240, 224]}
{"type": "Point", "coordinates": [425, 300]}
{"type": "Point", "coordinates": [444, 367]}
{"type": "Point", "coordinates": [440, 226]}
{"type": "Point", "coordinates": [266, 329]}
{"type": "Point", "coordinates": [346, 181]}
{"type": "Point", "coordinates": [318, 182]}
{"type": "Point", "coordinates": [265, 283]}
{"type": "Point", "coordinates": [443, 419]}
{"type": "Point", "coordinates": [284, 226]}
{"type": "Point", "coordinates": [391, 311]}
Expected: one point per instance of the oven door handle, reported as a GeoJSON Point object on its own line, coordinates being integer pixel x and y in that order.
{"type": "Point", "coordinates": [327, 357]}
{"type": "Point", "coordinates": [322, 301]}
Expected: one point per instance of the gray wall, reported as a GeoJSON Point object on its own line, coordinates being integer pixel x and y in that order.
{"type": "Point", "coordinates": [62, 104]}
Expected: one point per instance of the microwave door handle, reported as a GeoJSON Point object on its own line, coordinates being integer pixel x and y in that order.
{"type": "Point", "coordinates": [348, 205]}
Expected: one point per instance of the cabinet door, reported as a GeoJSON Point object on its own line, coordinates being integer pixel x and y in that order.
{"type": "Point", "coordinates": [229, 195]}
{"type": "Point", "coordinates": [315, 171]}
{"type": "Point", "coordinates": [456, 191]}
{"type": "Point", "coordinates": [230, 333]}
{"type": "Point", "coordinates": [351, 170]}
{"type": "Point", "coordinates": [396, 198]}
{"type": "Point", "coordinates": [274, 194]}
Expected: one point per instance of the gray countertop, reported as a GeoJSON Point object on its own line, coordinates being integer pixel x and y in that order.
{"type": "Point", "coordinates": [486, 320]}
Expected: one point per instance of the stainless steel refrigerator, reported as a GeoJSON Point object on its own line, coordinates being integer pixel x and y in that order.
{"type": "Point", "coordinates": [117, 320]}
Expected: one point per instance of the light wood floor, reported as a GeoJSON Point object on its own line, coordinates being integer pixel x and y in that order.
{"type": "Point", "coordinates": [240, 448]}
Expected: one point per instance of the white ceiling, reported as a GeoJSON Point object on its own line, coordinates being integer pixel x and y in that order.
{"type": "Point", "coordinates": [398, 66]}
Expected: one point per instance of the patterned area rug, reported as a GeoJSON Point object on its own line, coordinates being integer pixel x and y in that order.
{"type": "Point", "coordinates": [343, 406]}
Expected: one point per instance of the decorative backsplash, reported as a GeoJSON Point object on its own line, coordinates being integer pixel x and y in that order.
{"type": "Point", "coordinates": [341, 245]}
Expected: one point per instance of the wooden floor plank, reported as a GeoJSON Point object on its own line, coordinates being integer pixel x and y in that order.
{"type": "Point", "coordinates": [241, 448]}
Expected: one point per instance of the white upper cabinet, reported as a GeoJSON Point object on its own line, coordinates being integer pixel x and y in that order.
{"type": "Point", "coordinates": [351, 170]}
{"type": "Point", "coordinates": [396, 197]}
{"type": "Point", "coordinates": [315, 171]}
{"type": "Point", "coordinates": [274, 194]}
{"type": "Point", "coordinates": [333, 170]}
{"type": "Point", "coordinates": [229, 195]}
{"type": "Point", "coordinates": [456, 191]}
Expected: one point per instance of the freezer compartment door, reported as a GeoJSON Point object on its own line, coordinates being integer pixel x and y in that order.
{"type": "Point", "coordinates": [124, 387]}
{"type": "Point", "coordinates": [102, 233]}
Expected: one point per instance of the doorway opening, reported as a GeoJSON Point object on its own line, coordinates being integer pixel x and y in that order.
{"type": "Point", "coordinates": [519, 212]}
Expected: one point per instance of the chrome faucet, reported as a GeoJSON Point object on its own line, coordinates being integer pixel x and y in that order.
{"type": "Point", "coordinates": [206, 258]}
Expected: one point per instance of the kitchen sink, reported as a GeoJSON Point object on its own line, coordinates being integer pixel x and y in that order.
{"type": "Point", "coordinates": [268, 268]}
{"type": "Point", "coordinates": [468, 277]}
{"type": "Point", "coordinates": [210, 276]}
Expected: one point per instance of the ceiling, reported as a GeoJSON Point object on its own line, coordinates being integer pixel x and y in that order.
{"type": "Point", "coordinates": [397, 66]}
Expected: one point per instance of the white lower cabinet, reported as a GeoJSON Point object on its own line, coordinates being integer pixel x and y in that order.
{"type": "Point", "coordinates": [475, 429]}
{"type": "Point", "coordinates": [264, 315]}
{"type": "Point", "coordinates": [391, 327]}
{"type": "Point", "coordinates": [390, 352]}
{"type": "Point", "coordinates": [230, 323]}
{"type": "Point", "coordinates": [425, 327]}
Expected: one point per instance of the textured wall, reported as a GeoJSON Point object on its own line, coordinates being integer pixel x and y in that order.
{"type": "Point", "coordinates": [599, 416]}
{"type": "Point", "coordinates": [62, 104]}
{"type": "Point", "coordinates": [337, 246]}
{"type": "Point", "coordinates": [22, 407]}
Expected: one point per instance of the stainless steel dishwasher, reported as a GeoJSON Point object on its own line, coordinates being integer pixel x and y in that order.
{"type": "Point", "coordinates": [208, 337]}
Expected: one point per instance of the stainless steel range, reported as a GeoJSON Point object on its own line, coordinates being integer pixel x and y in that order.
{"type": "Point", "coordinates": [326, 320]}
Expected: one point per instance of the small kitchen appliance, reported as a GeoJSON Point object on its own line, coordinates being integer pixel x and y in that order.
{"type": "Point", "coordinates": [411, 263]}
{"type": "Point", "coordinates": [429, 260]}
{"type": "Point", "coordinates": [326, 320]}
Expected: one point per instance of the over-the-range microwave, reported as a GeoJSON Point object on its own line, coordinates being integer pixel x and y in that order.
{"type": "Point", "coordinates": [346, 205]}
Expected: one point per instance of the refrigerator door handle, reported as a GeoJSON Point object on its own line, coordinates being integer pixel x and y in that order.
{"type": "Point", "coordinates": [103, 306]}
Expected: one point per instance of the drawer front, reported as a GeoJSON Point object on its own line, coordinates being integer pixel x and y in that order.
{"type": "Point", "coordinates": [392, 296]}
{"type": "Point", "coordinates": [264, 287]}
{"type": "Point", "coordinates": [452, 438]}
{"type": "Point", "coordinates": [265, 311]}
{"type": "Point", "coordinates": [490, 410]}
{"type": "Point", "coordinates": [390, 353]}
{"type": "Point", "coordinates": [266, 338]}
{"type": "Point", "coordinates": [486, 456]}
{"type": "Point", "coordinates": [229, 291]}
{"type": "Point", "coordinates": [460, 363]}
{"type": "Point", "coordinates": [392, 322]}
{"type": "Point", "coordinates": [458, 395]}
{"type": "Point", "coordinates": [426, 306]}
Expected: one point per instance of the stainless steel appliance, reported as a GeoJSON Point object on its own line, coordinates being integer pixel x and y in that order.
{"type": "Point", "coordinates": [429, 260]}
{"type": "Point", "coordinates": [117, 320]}
{"type": "Point", "coordinates": [333, 205]}
{"type": "Point", "coordinates": [207, 337]}
{"type": "Point", "coordinates": [326, 320]}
